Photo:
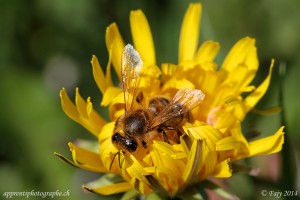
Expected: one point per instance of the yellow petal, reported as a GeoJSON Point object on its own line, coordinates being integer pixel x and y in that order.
{"type": "Point", "coordinates": [68, 106]}
{"type": "Point", "coordinates": [252, 99]}
{"type": "Point", "coordinates": [227, 143]}
{"type": "Point", "coordinates": [210, 163]}
{"type": "Point", "coordinates": [63, 158]}
{"type": "Point", "coordinates": [86, 159]}
{"type": "Point", "coordinates": [110, 157]}
{"type": "Point", "coordinates": [142, 37]}
{"type": "Point", "coordinates": [219, 118]}
{"type": "Point", "coordinates": [98, 75]}
{"type": "Point", "coordinates": [136, 170]}
{"type": "Point", "coordinates": [109, 95]}
{"type": "Point", "coordinates": [140, 186]}
{"type": "Point", "coordinates": [189, 34]}
{"type": "Point", "coordinates": [151, 71]}
{"type": "Point", "coordinates": [111, 189]}
{"type": "Point", "coordinates": [243, 148]}
{"type": "Point", "coordinates": [207, 52]}
{"type": "Point", "coordinates": [88, 116]}
{"type": "Point", "coordinates": [178, 83]}
{"type": "Point", "coordinates": [106, 132]}
{"type": "Point", "coordinates": [83, 113]}
{"type": "Point", "coordinates": [80, 104]}
{"type": "Point", "coordinates": [240, 78]}
{"type": "Point", "coordinates": [209, 82]}
{"type": "Point", "coordinates": [201, 130]}
{"type": "Point", "coordinates": [115, 44]}
{"type": "Point", "coordinates": [243, 52]}
{"type": "Point", "coordinates": [167, 169]}
{"type": "Point", "coordinates": [168, 156]}
{"type": "Point", "coordinates": [267, 145]}
{"type": "Point", "coordinates": [236, 132]}
{"type": "Point", "coordinates": [155, 185]}
{"type": "Point", "coordinates": [223, 170]}
{"type": "Point", "coordinates": [194, 163]}
{"type": "Point", "coordinates": [168, 69]}
{"type": "Point", "coordinates": [133, 167]}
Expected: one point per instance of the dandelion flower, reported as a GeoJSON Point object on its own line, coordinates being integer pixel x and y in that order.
{"type": "Point", "coordinates": [207, 144]}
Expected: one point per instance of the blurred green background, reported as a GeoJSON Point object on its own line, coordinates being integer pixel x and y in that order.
{"type": "Point", "coordinates": [47, 45]}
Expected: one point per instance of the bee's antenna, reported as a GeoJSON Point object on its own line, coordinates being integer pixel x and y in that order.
{"type": "Point", "coordinates": [118, 153]}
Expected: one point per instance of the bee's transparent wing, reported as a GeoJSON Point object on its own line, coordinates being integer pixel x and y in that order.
{"type": "Point", "coordinates": [182, 102]}
{"type": "Point", "coordinates": [132, 65]}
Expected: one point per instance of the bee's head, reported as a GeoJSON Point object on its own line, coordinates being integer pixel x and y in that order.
{"type": "Point", "coordinates": [125, 143]}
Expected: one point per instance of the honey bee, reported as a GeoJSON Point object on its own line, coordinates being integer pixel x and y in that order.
{"type": "Point", "coordinates": [160, 118]}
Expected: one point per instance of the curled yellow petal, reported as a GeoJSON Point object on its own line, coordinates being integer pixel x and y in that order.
{"type": "Point", "coordinates": [207, 52]}
{"type": "Point", "coordinates": [194, 163]}
{"type": "Point", "coordinates": [98, 74]}
{"type": "Point", "coordinates": [178, 83]}
{"type": "Point", "coordinates": [240, 78]}
{"type": "Point", "coordinates": [209, 163]}
{"type": "Point", "coordinates": [155, 185]}
{"type": "Point", "coordinates": [220, 118]}
{"type": "Point", "coordinates": [109, 95]}
{"type": "Point", "coordinates": [111, 189]}
{"type": "Point", "coordinates": [63, 158]}
{"type": "Point", "coordinates": [133, 167]}
{"type": "Point", "coordinates": [189, 34]}
{"type": "Point", "coordinates": [80, 104]}
{"type": "Point", "coordinates": [83, 113]}
{"type": "Point", "coordinates": [267, 145]}
{"type": "Point", "coordinates": [142, 37]}
{"type": "Point", "coordinates": [86, 159]}
{"type": "Point", "coordinates": [228, 143]}
{"type": "Point", "coordinates": [167, 71]}
{"type": "Point", "coordinates": [201, 130]}
{"type": "Point", "coordinates": [115, 44]}
{"type": "Point", "coordinates": [166, 166]}
{"type": "Point", "coordinates": [243, 52]}
{"type": "Point", "coordinates": [252, 99]}
{"type": "Point", "coordinates": [68, 106]}
{"type": "Point", "coordinates": [223, 170]}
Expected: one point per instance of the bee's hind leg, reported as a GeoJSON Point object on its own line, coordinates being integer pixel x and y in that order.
{"type": "Point", "coordinates": [164, 134]}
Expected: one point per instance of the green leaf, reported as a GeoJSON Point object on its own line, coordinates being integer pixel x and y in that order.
{"type": "Point", "coordinates": [155, 196]}
{"type": "Point", "coordinates": [130, 195]}
{"type": "Point", "coordinates": [106, 179]}
{"type": "Point", "coordinates": [191, 193]}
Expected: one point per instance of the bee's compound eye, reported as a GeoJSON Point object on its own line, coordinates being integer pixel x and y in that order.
{"type": "Point", "coordinates": [116, 137]}
{"type": "Point", "coordinates": [130, 144]}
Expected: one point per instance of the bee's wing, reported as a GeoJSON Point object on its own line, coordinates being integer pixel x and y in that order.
{"type": "Point", "coordinates": [182, 102]}
{"type": "Point", "coordinates": [132, 65]}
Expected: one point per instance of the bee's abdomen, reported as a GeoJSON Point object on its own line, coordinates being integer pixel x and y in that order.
{"type": "Point", "coordinates": [157, 104]}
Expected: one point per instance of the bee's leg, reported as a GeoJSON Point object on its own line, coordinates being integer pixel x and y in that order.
{"type": "Point", "coordinates": [175, 137]}
{"type": "Point", "coordinates": [163, 134]}
{"type": "Point", "coordinates": [116, 154]}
